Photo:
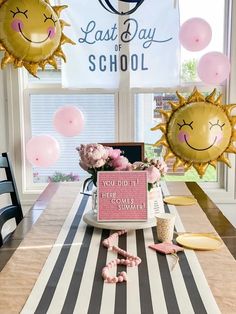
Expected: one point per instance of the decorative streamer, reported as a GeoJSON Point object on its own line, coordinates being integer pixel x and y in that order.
{"type": "Point", "coordinates": [130, 260]}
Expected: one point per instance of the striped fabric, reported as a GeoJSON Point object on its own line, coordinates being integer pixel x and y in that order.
{"type": "Point", "coordinates": [71, 282]}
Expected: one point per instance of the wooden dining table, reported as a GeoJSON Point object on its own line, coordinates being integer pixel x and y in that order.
{"type": "Point", "coordinates": [54, 260]}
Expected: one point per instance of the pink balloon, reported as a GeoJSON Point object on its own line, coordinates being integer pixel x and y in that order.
{"type": "Point", "coordinates": [195, 34]}
{"type": "Point", "coordinates": [213, 68]}
{"type": "Point", "coordinates": [42, 150]}
{"type": "Point", "coordinates": [68, 121]}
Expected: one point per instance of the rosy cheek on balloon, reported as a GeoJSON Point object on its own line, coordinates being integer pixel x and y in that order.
{"type": "Point", "coordinates": [219, 137]}
{"type": "Point", "coordinates": [182, 136]}
{"type": "Point", "coordinates": [17, 25]}
{"type": "Point", "coordinates": [51, 32]}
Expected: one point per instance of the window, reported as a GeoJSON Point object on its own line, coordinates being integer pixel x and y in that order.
{"type": "Point", "coordinates": [99, 112]}
{"type": "Point", "coordinates": [113, 115]}
{"type": "Point", "coordinates": [147, 106]}
{"type": "Point", "coordinates": [147, 116]}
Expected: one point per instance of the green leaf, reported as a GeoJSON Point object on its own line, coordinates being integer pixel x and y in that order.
{"type": "Point", "coordinates": [150, 186]}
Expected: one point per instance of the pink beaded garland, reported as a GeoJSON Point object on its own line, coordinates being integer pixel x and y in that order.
{"type": "Point", "coordinates": [130, 260]}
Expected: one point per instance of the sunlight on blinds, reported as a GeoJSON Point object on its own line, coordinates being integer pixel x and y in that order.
{"type": "Point", "coordinates": [99, 113]}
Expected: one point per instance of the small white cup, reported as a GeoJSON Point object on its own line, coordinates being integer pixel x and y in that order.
{"type": "Point", "coordinates": [165, 226]}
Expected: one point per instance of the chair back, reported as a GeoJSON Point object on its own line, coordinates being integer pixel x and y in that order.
{"type": "Point", "coordinates": [134, 151]}
{"type": "Point", "coordinates": [8, 186]}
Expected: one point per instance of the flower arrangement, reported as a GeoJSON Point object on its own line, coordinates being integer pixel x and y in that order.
{"type": "Point", "coordinates": [96, 157]}
{"type": "Point", "coordinates": [155, 170]}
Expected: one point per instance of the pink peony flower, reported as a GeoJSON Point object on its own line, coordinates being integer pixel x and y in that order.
{"type": "Point", "coordinates": [99, 163]}
{"type": "Point", "coordinates": [155, 169]}
{"type": "Point", "coordinates": [96, 157]}
{"type": "Point", "coordinates": [120, 163]}
{"type": "Point", "coordinates": [114, 153]}
{"type": "Point", "coordinates": [92, 155]}
{"type": "Point", "coordinates": [153, 174]}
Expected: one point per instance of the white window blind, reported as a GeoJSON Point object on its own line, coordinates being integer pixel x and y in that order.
{"type": "Point", "coordinates": [99, 113]}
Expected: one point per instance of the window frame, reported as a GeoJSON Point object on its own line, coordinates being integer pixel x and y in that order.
{"type": "Point", "coordinates": [26, 117]}
{"type": "Point", "coordinates": [18, 102]}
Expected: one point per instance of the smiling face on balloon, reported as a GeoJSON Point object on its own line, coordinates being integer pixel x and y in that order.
{"type": "Point", "coordinates": [199, 132]}
{"type": "Point", "coordinates": [31, 34]}
{"type": "Point", "coordinates": [29, 30]}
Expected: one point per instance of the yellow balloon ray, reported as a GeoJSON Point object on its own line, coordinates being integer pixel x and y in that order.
{"type": "Point", "coordinates": [198, 131]}
{"type": "Point", "coordinates": [31, 34]}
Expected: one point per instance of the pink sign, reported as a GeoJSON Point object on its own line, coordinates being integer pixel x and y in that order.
{"type": "Point", "coordinates": [122, 196]}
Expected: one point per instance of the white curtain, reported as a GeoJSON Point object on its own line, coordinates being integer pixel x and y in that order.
{"type": "Point", "coordinates": [141, 47]}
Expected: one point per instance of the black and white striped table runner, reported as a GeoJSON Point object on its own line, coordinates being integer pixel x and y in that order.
{"type": "Point", "coordinates": [71, 282]}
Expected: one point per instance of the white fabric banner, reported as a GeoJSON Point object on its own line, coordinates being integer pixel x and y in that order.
{"type": "Point", "coordinates": [135, 39]}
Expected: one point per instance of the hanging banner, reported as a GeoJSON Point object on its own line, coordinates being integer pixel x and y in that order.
{"type": "Point", "coordinates": [135, 40]}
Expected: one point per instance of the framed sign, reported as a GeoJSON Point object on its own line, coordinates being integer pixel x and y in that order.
{"type": "Point", "coordinates": [122, 196]}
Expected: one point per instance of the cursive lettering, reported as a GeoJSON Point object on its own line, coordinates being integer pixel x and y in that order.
{"type": "Point", "coordinates": [91, 35]}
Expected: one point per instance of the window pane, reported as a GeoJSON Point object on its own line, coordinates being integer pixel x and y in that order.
{"type": "Point", "coordinates": [99, 113]}
{"type": "Point", "coordinates": [49, 75]}
{"type": "Point", "coordinates": [46, 77]}
{"type": "Point", "coordinates": [147, 108]}
{"type": "Point", "coordinates": [207, 10]}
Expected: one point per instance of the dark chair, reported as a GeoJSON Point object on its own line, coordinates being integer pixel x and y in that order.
{"type": "Point", "coordinates": [133, 151]}
{"type": "Point", "coordinates": [8, 186]}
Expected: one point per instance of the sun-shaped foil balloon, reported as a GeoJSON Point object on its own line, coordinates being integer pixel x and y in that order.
{"type": "Point", "coordinates": [31, 33]}
{"type": "Point", "coordinates": [198, 131]}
